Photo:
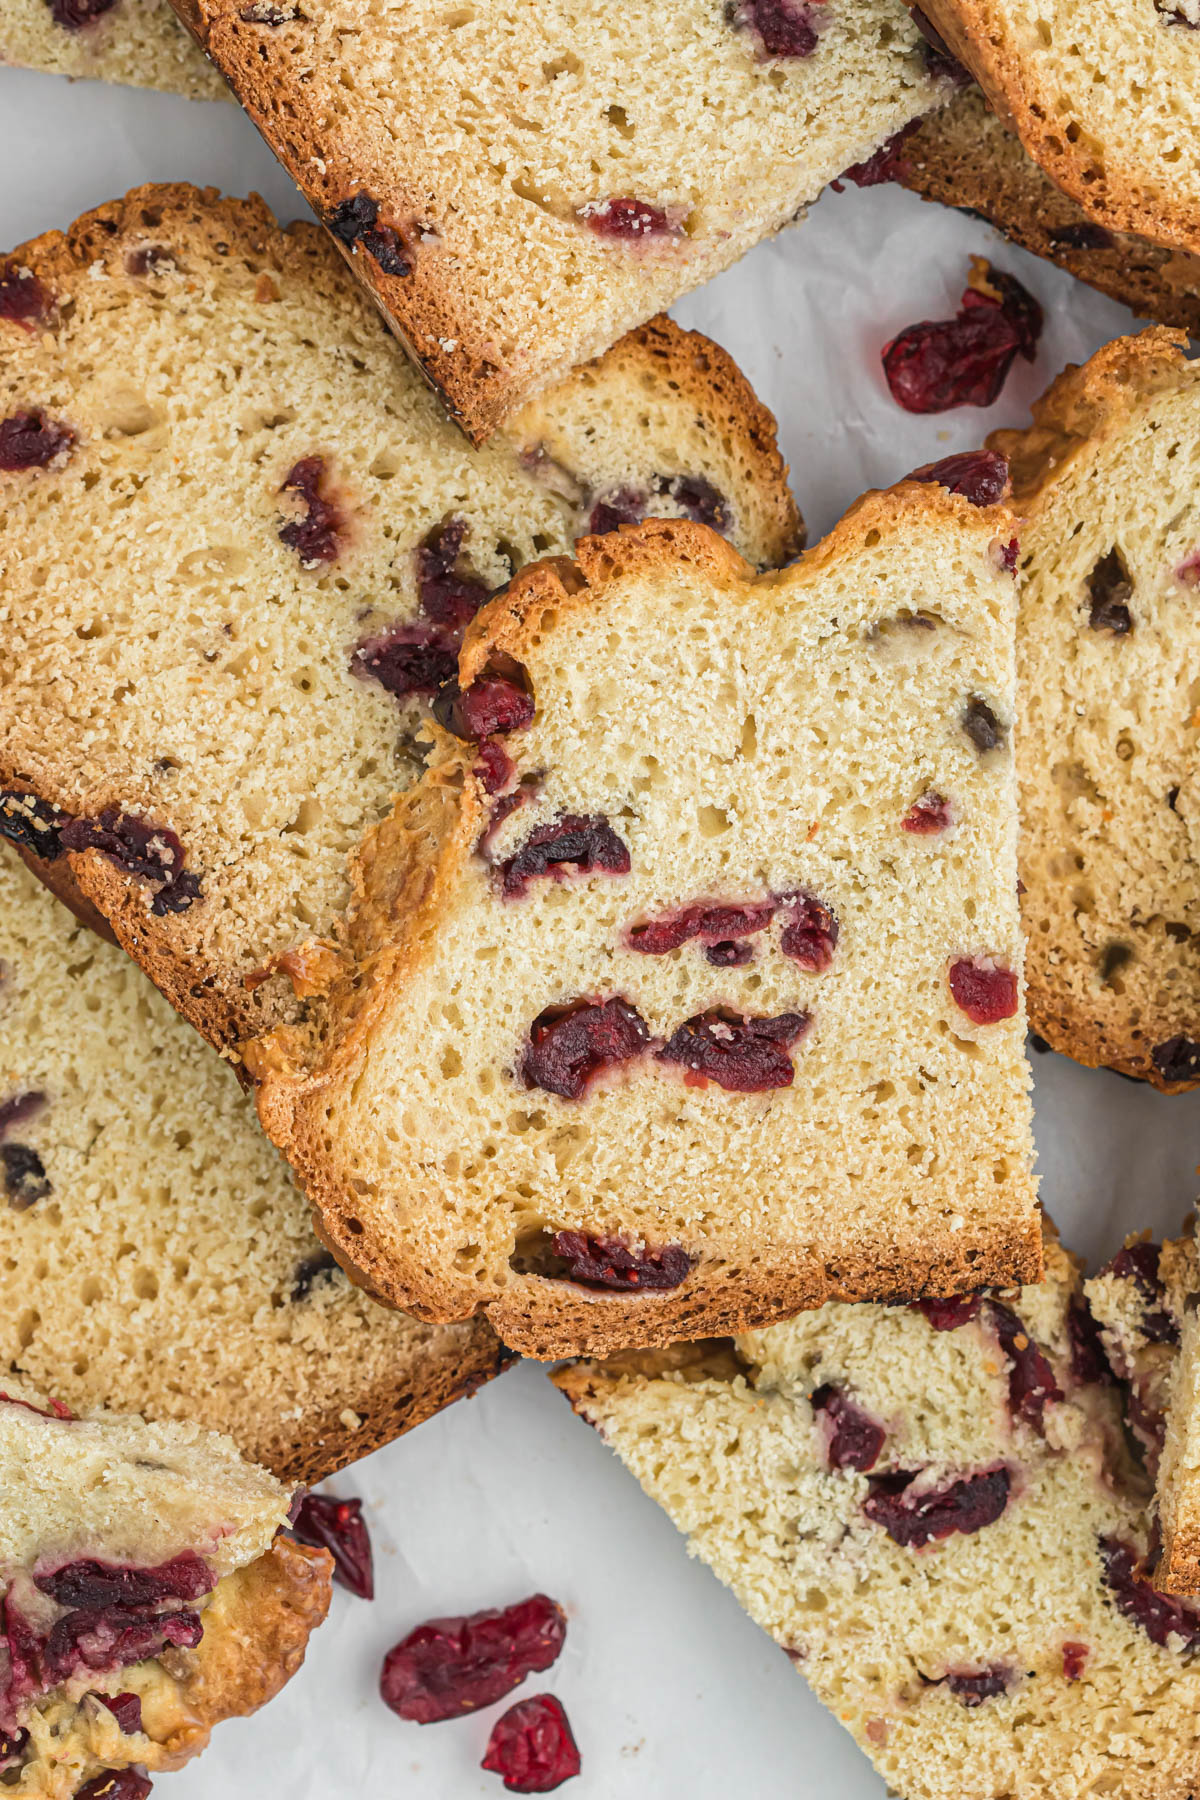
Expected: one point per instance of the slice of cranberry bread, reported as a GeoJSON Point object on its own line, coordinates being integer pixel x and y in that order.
{"type": "Point", "coordinates": [963, 156]}
{"type": "Point", "coordinates": [146, 1222]}
{"type": "Point", "coordinates": [518, 185]}
{"type": "Point", "coordinates": [932, 1511]}
{"type": "Point", "coordinates": [614, 1054]}
{"type": "Point", "coordinates": [140, 42]}
{"type": "Point", "coordinates": [1108, 643]}
{"type": "Point", "coordinates": [1106, 100]}
{"type": "Point", "coordinates": [144, 1596]}
{"type": "Point", "coordinates": [240, 542]}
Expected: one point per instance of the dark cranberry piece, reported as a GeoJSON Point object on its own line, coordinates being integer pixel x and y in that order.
{"type": "Point", "coordinates": [96, 1641]}
{"type": "Point", "coordinates": [1160, 1616]}
{"type": "Point", "coordinates": [336, 1525]}
{"type": "Point", "coordinates": [1089, 1361]}
{"type": "Point", "coordinates": [624, 216]}
{"type": "Point", "coordinates": [73, 15]}
{"type": "Point", "coordinates": [570, 844]}
{"type": "Point", "coordinates": [570, 1045]}
{"type": "Point", "coordinates": [1084, 236]}
{"type": "Point", "coordinates": [713, 922]}
{"type": "Point", "coordinates": [11, 1745]}
{"type": "Point", "coordinates": [981, 725]}
{"type": "Point", "coordinates": [448, 1667]}
{"type": "Point", "coordinates": [949, 1314]}
{"type": "Point", "coordinates": [408, 659]}
{"type": "Point", "coordinates": [139, 847]}
{"type": "Point", "coordinates": [315, 537]}
{"type": "Point", "coordinates": [1178, 1059]}
{"type": "Point", "coordinates": [1031, 1383]}
{"type": "Point", "coordinates": [927, 815]}
{"type": "Point", "coordinates": [783, 27]}
{"type": "Point", "coordinates": [939, 58]}
{"type": "Point", "coordinates": [1110, 591]}
{"type": "Point", "coordinates": [1007, 554]}
{"type": "Point", "coordinates": [149, 259]}
{"type": "Point", "coordinates": [625, 506]}
{"type": "Point", "coordinates": [974, 1686]}
{"type": "Point", "coordinates": [1138, 1263]}
{"type": "Point", "coordinates": [309, 1271]}
{"type": "Point", "coordinates": [888, 163]}
{"type": "Point", "coordinates": [1074, 1656]}
{"type": "Point", "coordinates": [98, 1585]}
{"type": "Point", "coordinates": [356, 221]}
{"type": "Point", "coordinates": [991, 286]}
{"type": "Point", "coordinates": [696, 498]}
{"type": "Point", "coordinates": [729, 954]}
{"type": "Point", "coordinates": [986, 994]}
{"type": "Point", "coordinates": [18, 1108]}
{"type": "Point", "coordinates": [30, 440]}
{"type": "Point", "coordinates": [742, 1055]}
{"type": "Point", "coordinates": [964, 361]}
{"type": "Point", "coordinates": [24, 1176]}
{"type": "Point", "coordinates": [967, 1506]}
{"type": "Point", "coordinates": [810, 935]}
{"type": "Point", "coordinates": [33, 824]}
{"type": "Point", "coordinates": [115, 1784]}
{"type": "Point", "coordinates": [126, 1709]}
{"type": "Point", "coordinates": [447, 596]}
{"type": "Point", "coordinates": [23, 299]}
{"type": "Point", "coordinates": [532, 1747]}
{"type": "Point", "coordinates": [980, 476]}
{"type": "Point", "coordinates": [495, 767]}
{"type": "Point", "coordinates": [853, 1439]}
{"type": "Point", "coordinates": [608, 1263]}
{"type": "Point", "coordinates": [492, 704]}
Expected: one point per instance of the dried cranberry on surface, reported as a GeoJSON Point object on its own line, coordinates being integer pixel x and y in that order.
{"type": "Point", "coordinates": [1109, 593]}
{"type": "Point", "coordinates": [407, 659]}
{"type": "Point", "coordinates": [532, 1747]}
{"type": "Point", "coordinates": [1031, 1382]}
{"type": "Point", "coordinates": [623, 506]}
{"type": "Point", "coordinates": [573, 844]}
{"type": "Point", "coordinates": [328, 1522]}
{"type": "Point", "coordinates": [1178, 1059]}
{"type": "Point", "coordinates": [1089, 1359]}
{"type": "Point", "coordinates": [569, 1046]}
{"type": "Point", "coordinates": [712, 921]}
{"type": "Point", "coordinates": [140, 847]}
{"type": "Point", "coordinates": [421, 656]}
{"type": "Point", "coordinates": [730, 953]}
{"type": "Point", "coordinates": [624, 217]}
{"type": "Point", "coordinates": [1138, 1263]}
{"type": "Point", "coordinates": [927, 815]}
{"type": "Point", "coordinates": [23, 299]}
{"type": "Point", "coordinates": [940, 60]}
{"type": "Point", "coordinates": [964, 361]}
{"type": "Point", "coordinates": [1160, 1616]}
{"type": "Point", "coordinates": [852, 1438]}
{"type": "Point", "coordinates": [949, 1314]}
{"type": "Point", "coordinates": [308, 1271]}
{"type": "Point", "coordinates": [74, 15]}
{"type": "Point", "coordinates": [93, 1640]}
{"type": "Point", "coordinates": [33, 824]}
{"type": "Point", "coordinates": [983, 991]}
{"type": "Point", "coordinates": [888, 163]}
{"type": "Point", "coordinates": [126, 1709]}
{"type": "Point", "coordinates": [493, 705]}
{"type": "Point", "coordinates": [811, 933]}
{"type": "Point", "coordinates": [974, 1686]}
{"type": "Point", "coordinates": [23, 1176]}
{"type": "Point", "coordinates": [742, 1055]}
{"type": "Point", "coordinates": [696, 498]}
{"type": "Point", "coordinates": [97, 1585]}
{"type": "Point", "coordinates": [451, 1666]}
{"type": "Point", "coordinates": [316, 538]}
{"type": "Point", "coordinates": [782, 27]}
{"type": "Point", "coordinates": [31, 440]}
{"type": "Point", "coordinates": [981, 725]}
{"type": "Point", "coordinates": [20, 1107]}
{"type": "Point", "coordinates": [914, 1520]}
{"type": "Point", "coordinates": [115, 1784]}
{"type": "Point", "coordinates": [356, 221]}
{"type": "Point", "coordinates": [608, 1263]}
{"type": "Point", "coordinates": [980, 476]}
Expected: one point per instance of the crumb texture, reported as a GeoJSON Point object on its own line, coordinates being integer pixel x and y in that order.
{"type": "Point", "coordinates": [138, 42]}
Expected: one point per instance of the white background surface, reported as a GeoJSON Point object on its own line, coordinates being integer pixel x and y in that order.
{"type": "Point", "coordinates": [672, 1693]}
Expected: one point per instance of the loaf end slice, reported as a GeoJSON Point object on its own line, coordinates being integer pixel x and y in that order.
{"type": "Point", "coordinates": [138, 42]}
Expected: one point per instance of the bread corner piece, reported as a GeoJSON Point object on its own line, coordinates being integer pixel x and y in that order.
{"type": "Point", "coordinates": [692, 997]}
{"type": "Point", "coordinates": [146, 1595]}
{"type": "Point", "coordinates": [1108, 642]}
{"type": "Point", "coordinates": [137, 42]}
{"type": "Point", "coordinates": [932, 1510]}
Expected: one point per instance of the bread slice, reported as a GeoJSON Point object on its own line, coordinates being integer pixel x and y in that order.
{"type": "Point", "coordinates": [195, 649]}
{"type": "Point", "coordinates": [139, 42]}
{"type": "Point", "coordinates": [963, 156]}
{"type": "Point", "coordinates": [517, 186]}
{"type": "Point", "coordinates": [1107, 646]}
{"type": "Point", "coordinates": [1111, 111]}
{"type": "Point", "coordinates": [739, 828]}
{"type": "Point", "coordinates": [145, 1595]}
{"type": "Point", "coordinates": [932, 1511]}
{"type": "Point", "coordinates": [146, 1223]}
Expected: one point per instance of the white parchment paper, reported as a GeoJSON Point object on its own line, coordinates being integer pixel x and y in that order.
{"type": "Point", "coordinates": [673, 1693]}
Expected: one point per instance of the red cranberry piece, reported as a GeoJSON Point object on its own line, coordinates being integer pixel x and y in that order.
{"type": "Point", "coordinates": [140, 847]}
{"type": "Point", "coordinates": [888, 163]}
{"type": "Point", "coordinates": [356, 221]}
{"type": "Point", "coordinates": [31, 440]}
{"type": "Point", "coordinates": [696, 498]}
{"type": "Point", "coordinates": [23, 1175]}
{"type": "Point", "coordinates": [949, 1314]}
{"type": "Point", "coordinates": [1160, 1616]}
{"type": "Point", "coordinates": [1089, 1360]}
{"type": "Point", "coordinates": [445, 595]}
{"type": "Point", "coordinates": [329, 1523]}
{"type": "Point", "coordinates": [974, 1686]}
{"type": "Point", "coordinates": [981, 476]}
{"type": "Point", "coordinates": [569, 1046]}
{"type": "Point", "coordinates": [408, 659]}
{"type": "Point", "coordinates": [713, 922]}
{"type": "Point", "coordinates": [23, 299]}
{"type": "Point", "coordinates": [729, 954]}
{"type": "Point", "coordinates": [310, 1270]}
{"type": "Point", "coordinates": [623, 216]}
{"type": "Point", "coordinates": [316, 537]}
{"type": "Point", "coordinates": [532, 1747]}
{"type": "Point", "coordinates": [98, 1585]}
{"type": "Point", "coordinates": [493, 704]}
{"type": "Point", "coordinates": [608, 1263]}
{"type": "Point", "coordinates": [448, 1667]}
{"type": "Point", "coordinates": [115, 1784]}
{"type": "Point", "coordinates": [1138, 1263]}
{"type": "Point", "coordinates": [625, 506]}
{"type": "Point", "coordinates": [95, 1641]}
{"type": "Point", "coordinates": [782, 27]}
{"type": "Point", "coordinates": [810, 935]}
{"type": "Point", "coordinates": [73, 15]}
{"type": "Point", "coordinates": [126, 1709]}
{"type": "Point", "coordinates": [571, 844]}
{"type": "Point", "coordinates": [18, 1108]}
{"type": "Point", "coordinates": [852, 1438]}
{"type": "Point", "coordinates": [12, 1743]}
{"type": "Point", "coordinates": [964, 361]}
{"type": "Point", "coordinates": [742, 1055]}
{"type": "Point", "coordinates": [1074, 1657]}
{"type": "Point", "coordinates": [1006, 554]}
{"type": "Point", "coordinates": [915, 1520]}
{"type": "Point", "coordinates": [1109, 592]}
{"type": "Point", "coordinates": [495, 767]}
{"type": "Point", "coordinates": [1178, 1059]}
{"type": "Point", "coordinates": [927, 816]}
{"type": "Point", "coordinates": [1031, 1383]}
{"type": "Point", "coordinates": [984, 992]}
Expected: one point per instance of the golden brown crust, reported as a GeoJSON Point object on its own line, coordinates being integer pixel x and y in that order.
{"type": "Point", "coordinates": [964, 157]}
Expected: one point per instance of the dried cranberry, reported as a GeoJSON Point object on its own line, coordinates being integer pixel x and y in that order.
{"type": "Point", "coordinates": [624, 506]}
{"type": "Point", "coordinates": [927, 815]}
{"type": "Point", "coordinates": [24, 1176]}
{"type": "Point", "coordinates": [989, 286]}
{"type": "Point", "coordinates": [949, 1314]}
{"type": "Point", "coordinates": [23, 299]}
{"type": "Point", "coordinates": [446, 595]}
{"type": "Point", "coordinates": [23, 1673]}
{"type": "Point", "coordinates": [569, 1046]}
{"type": "Point", "coordinates": [316, 537]}
{"type": "Point", "coordinates": [1031, 1383]}
{"type": "Point", "coordinates": [939, 59]}
{"type": "Point", "coordinates": [981, 725]}
{"type": "Point", "coordinates": [18, 1108]}
{"type": "Point", "coordinates": [356, 221]}
{"type": "Point", "coordinates": [624, 216]}
{"type": "Point", "coordinates": [888, 163]}
{"type": "Point", "coordinates": [852, 1438]}
{"type": "Point", "coordinates": [1138, 1263]}
{"type": "Point", "coordinates": [608, 1263]}
{"type": "Point", "coordinates": [1160, 1616]}
{"type": "Point", "coordinates": [493, 704]}
{"type": "Point", "coordinates": [571, 844]}
{"type": "Point", "coordinates": [30, 440]}
{"type": "Point", "coordinates": [1081, 236]}
{"type": "Point", "coordinates": [330, 1523]}
{"type": "Point", "coordinates": [810, 935]}
{"type": "Point", "coordinates": [782, 27]}
{"type": "Point", "coordinates": [1178, 1059]}
{"type": "Point", "coordinates": [1089, 1361]}
{"type": "Point", "coordinates": [1074, 1656]}
{"type": "Point", "coordinates": [140, 847]}
{"type": "Point", "coordinates": [126, 1709]}
{"type": "Point", "coordinates": [1109, 592]}
{"type": "Point", "coordinates": [985, 992]}
{"type": "Point", "coordinates": [11, 1745]}
{"type": "Point", "coordinates": [974, 1686]}
{"type": "Point", "coordinates": [95, 1640]}
{"type": "Point", "coordinates": [448, 1667]}
{"type": "Point", "coordinates": [1006, 555]}
{"type": "Point", "coordinates": [408, 659]}
{"type": "Point", "coordinates": [696, 498]}
{"type": "Point", "coordinates": [980, 476]}
{"type": "Point", "coordinates": [729, 954]}
{"type": "Point", "coordinates": [532, 1747]}
{"type": "Point", "coordinates": [712, 921]}
{"type": "Point", "coordinates": [32, 824]}
{"type": "Point", "coordinates": [115, 1784]}
{"type": "Point", "coordinates": [98, 1585]}
{"type": "Point", "coordinates": [73, 15]}
{"type": "Point", "coordinates": [913, 1520]}
{"type": "Point", "coordinates": [742, 1055]}
{"type": "Point", "coordinates": [495, 767]}
{"type": "Point", "coordinates": [964, 361]}
{"type": "Point", "coordinates": [309, 1271]}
